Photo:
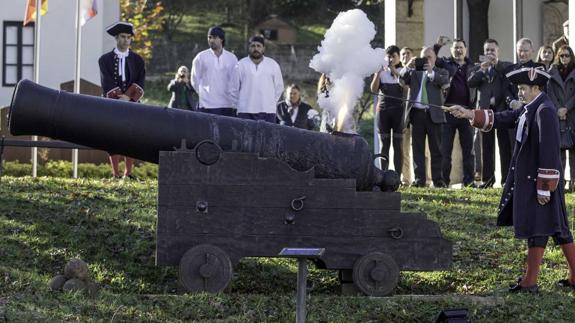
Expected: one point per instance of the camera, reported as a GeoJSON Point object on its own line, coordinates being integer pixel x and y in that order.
{"type": "Point", "coordinates": [419, 63]}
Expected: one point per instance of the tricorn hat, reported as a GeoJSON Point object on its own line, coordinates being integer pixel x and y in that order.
{"type": "Point", "coordinates": [529, 76]}
{"type": "Point", "coordinates": [119, 28]}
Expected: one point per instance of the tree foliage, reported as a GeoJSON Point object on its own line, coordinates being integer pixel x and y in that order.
{"type": "Point", "coordinates": [147, 17]}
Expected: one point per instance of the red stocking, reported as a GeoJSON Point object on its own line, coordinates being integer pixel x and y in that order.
{"type": "Point", "coordinates": [569, 252]}
{"type": "Point", "coordinates": [534, 257]}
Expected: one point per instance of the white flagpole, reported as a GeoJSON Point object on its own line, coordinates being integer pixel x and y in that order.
{"type": "Point", "coordinates": [36, 77]}
{"type": "Point", "coordinates": [376, 139]}
{"type": "Point", "coordinates": [77, 79]}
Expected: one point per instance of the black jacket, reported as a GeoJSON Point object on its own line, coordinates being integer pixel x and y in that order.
{"type": "Point", "coordinates": [178, 89]}
{"type": "Point", "coordinates": [302, 120]}
{"type": "Point", "coordinates": [488, 87]}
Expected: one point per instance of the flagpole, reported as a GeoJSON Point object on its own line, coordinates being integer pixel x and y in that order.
{"type": "Point", "coordinates": [376, 138]}
{"type": "Point", "coordinates": [36, 77]}
{"type": "Point", "coordinates": [77, 79]}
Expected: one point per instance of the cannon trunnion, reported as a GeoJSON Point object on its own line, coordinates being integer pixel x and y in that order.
{"type": "Point", "coordinates": [216, 207]}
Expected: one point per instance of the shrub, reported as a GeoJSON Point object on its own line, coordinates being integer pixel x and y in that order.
{"type": "Point", "coordinates": [61, 168]}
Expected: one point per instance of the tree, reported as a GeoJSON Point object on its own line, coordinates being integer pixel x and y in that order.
{"type": "Point", "coordinates": [146, 16]}
{"type": "Point", "coordinates": [174, 11]}
{"type": "Point", "coordinates": [478, 26]}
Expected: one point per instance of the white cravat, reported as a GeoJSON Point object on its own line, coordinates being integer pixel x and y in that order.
{"type": "Point", "coordinates": [122, 64]}
{"type": "Point", "coordinates": [522, 118]}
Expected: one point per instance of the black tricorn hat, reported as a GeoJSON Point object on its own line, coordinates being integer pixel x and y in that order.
{"type": "Point", "coordinates": [120, 27]}
{"type": "Point", "coordinates": [529, 76]}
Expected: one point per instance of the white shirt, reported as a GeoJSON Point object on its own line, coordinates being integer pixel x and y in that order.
{"type": "Point", "coordinates": [522, 119]}
{"type": "Point", "coordinates": [258, 87]}
{"type": "Point", "coordinates": [385, 77]}
{"type": "Point", "coordinates": [212, 78]}
{"type": "Point", "coordinates": [292, 109]}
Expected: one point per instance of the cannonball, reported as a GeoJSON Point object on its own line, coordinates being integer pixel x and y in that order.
{"type": "Point", "coordinates": [57, 282]}
{"type": "Point", "coordinates": [74, 284]}
{"type": "Point", "coordinates": [76, 268]}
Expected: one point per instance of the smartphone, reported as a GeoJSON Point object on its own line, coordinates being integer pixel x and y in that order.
{"type": "Point", "coordinates": [483, 58]}
{"type": "Point", "coordinates": [419, 63]}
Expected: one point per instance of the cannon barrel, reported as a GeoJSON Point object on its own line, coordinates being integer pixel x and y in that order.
{"type": "Point", "coordinates": [141, 131]}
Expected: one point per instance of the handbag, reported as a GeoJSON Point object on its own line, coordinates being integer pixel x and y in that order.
{"type": "Point", "coordinates": [566, 136]}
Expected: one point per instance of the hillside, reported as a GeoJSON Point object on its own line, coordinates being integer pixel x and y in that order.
{"type": "Point", "coordinates": [44, 222]}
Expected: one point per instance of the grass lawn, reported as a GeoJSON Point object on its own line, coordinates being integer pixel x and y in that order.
{"type": "Point", "coordinates": [44, 222]}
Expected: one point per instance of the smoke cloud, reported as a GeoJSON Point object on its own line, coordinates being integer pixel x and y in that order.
{"type": "Point", "coordinates": [346, 56]}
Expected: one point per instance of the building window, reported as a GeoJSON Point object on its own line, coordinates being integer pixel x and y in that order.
{"type": "Point", "coordinates": [17, 52]}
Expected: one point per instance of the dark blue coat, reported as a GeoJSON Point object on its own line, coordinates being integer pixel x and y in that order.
{"type": "Point", "coordinates": [135, 72]}
{"type": "Point", "coordinates": [539, 149]}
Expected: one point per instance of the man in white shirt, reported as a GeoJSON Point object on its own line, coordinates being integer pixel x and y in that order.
{"type": "Point", "coordinates": [212, 71]}
{"type": "Point", "coordinates": [259, 83]}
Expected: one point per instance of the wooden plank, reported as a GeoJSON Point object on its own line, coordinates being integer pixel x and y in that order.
{"type": "Point", "coordinates": [266, 195]}
{"type": "Point", "coordinates": [233, 222]}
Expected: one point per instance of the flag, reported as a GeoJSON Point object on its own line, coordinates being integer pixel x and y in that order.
{"type": "Point", "coordinates": [88, 9]}
{"type": "Point", "coordinates": [31, 10]}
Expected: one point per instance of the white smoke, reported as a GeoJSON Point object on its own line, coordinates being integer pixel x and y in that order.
{"type": "Point", "coordinates": [347, 57]}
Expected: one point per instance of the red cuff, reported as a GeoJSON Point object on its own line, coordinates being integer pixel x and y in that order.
{"type": "Point", "coordinates": [483, 119]}
{"type": "Point", "coordinates": [135, 92]}
{"type": "Point", "coordinates": [114, 93]}
{"type": "Point", "coordinates": [547, 179]}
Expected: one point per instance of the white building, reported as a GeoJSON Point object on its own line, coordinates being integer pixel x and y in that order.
{"type": "Point", "coordinates": [57, 44]}
{"type": "Point", "coordinates": [415, 23]}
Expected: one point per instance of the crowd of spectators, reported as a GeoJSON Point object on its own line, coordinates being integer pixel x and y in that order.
{"type": "Point", "coordinates": [411, 92]}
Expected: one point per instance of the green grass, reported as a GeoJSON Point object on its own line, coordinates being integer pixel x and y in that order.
{"type": "Point", "coordinates": [44, 222]}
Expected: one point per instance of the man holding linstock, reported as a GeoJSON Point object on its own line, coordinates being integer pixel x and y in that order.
{"type": "Point", "coordinates": [533, 200]}
{"type": "Point", "coordinates": [122, 74]}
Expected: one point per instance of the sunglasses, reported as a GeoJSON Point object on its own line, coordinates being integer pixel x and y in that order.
{"type": "Point", "coordinates": [564, 55]}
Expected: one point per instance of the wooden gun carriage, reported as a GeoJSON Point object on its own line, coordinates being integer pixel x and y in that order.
{"type": "Point", "coordinates": [249, 189]}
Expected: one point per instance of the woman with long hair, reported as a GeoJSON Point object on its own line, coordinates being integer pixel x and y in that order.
{"type": "Point", "coordinates": [561, 90]}
{"type": "Point", "coordinates": [545, 56]}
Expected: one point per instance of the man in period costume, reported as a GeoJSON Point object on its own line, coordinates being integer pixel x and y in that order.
{"type": "Point", "coordinates": [122, 74]}
{"type": "Point", "coordinates": [532, 200]}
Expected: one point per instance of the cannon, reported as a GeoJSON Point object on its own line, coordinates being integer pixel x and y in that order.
{"type": "Point", "coordinates": [230, 188]}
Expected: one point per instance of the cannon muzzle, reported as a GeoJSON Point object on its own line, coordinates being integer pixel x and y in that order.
{"type": "Point", "coordinates": [141, 131]}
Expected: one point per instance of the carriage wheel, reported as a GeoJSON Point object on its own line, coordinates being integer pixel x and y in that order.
{"type": "Point", "coordinates": [205, 268]}
{"type": "Point", "coordinates": [376, 274]}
